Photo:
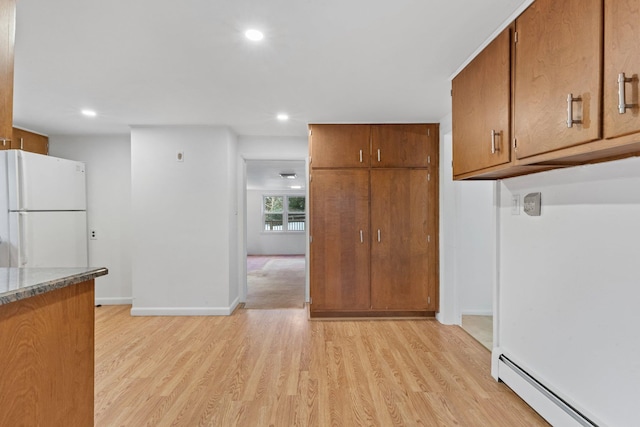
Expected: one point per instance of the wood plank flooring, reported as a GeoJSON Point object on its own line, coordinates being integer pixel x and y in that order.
{"type": "Point", "coordinates": [277, 368]}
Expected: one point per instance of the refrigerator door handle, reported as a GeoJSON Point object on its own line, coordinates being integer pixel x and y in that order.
{"type": "Point", "coordinates": [22, 230]}
{"type": "Point", "coordinates": [20, 178]}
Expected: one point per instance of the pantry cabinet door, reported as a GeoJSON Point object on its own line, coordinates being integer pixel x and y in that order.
{"type": "Point", "coordinates": [399, 239]}
{"type": "Point", "coordinates": [340, 240]}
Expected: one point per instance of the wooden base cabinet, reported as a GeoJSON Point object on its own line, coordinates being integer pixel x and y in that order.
{"type": "Point", "coordinates": [373, 231]}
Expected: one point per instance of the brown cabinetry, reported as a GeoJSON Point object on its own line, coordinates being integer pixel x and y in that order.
{"type": "Point", "coordinates": [621, 67]}
{"type": "Point", "coordinates": [401, 145]}
{"type": "Point", "coordinates": [340, 231]}
{"type": "Point", "coordinates": [481, 109]}
{"type": "Point", "coordinates": [7, 32]}
{"type": "Point", "coordinates": [29, 141]}
{"type": "Point", "coordinates": [574, 94]}
{"type": "Point", "coordinates": [557, 75]}
{"type": "Point", "coordinates": [373, 230]}
{"type": "Point", "coordinates": [400, 267]}
{"type": "Point", "coordinates": [342, 146]}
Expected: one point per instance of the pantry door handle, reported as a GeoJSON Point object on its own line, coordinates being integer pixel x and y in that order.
{"type": "Point", "coordinates": [570, 101]}
{"type": "Point", "coordinates": [378, 154]}
{"type": "Point", "coordinates": [379, 235]}
{"type": "Point", "coordinates": [622, 102]}
{"type": "Point", "coordinates": [360, 156]}
{"type": "Point", "coordinates": [361, 237]}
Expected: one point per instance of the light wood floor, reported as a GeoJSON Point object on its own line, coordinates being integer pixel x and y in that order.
{"type": "Point", "coordinates": [276, 368]}
{"type": "Point", "coordinates": [479, 327]}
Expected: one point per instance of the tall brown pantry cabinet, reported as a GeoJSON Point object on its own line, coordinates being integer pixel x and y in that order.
{"type": "Point", "coordinates": [373, 220]}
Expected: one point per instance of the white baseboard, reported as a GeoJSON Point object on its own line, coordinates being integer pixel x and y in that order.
{"type": "Point", "coordinates": [183, 311]}
{"type": "Point", "coordinates": [477, 312]}
{"type": "Point", "coordinates": [114, 301]}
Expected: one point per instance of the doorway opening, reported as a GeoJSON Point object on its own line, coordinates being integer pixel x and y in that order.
{"type": "Point", "coordinates": [276, 234]}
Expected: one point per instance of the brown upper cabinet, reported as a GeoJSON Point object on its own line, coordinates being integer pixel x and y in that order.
{"type": "Point", "coordinates": [621, 67]}
{"type": "Point", "coordinates": [30, 141]}
{"type": "Point", "coordinates": [574, 91]}
{"type": "Point", "coordinates": [557, 93]}
{"type": "Point", "coordinates": [341, 146]}
{"type": "Point", "coordinates": [402, 145]}
{"type": "Point", "coordinates": [7, 36]}
{"type": "Point", "coordinates": [481, 109]}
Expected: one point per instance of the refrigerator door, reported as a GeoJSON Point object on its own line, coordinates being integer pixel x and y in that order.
{"type": "Point", "coordinates": [44, 183]}
{"type": "Point", "coordinates": [48, 239]}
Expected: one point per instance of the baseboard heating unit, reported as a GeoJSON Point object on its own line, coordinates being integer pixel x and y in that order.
{"type": "Point", "coordinates": [551, 407]}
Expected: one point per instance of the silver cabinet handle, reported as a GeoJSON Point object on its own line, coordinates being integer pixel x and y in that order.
{"type": "Point", "coordinates": [622, 103]}
{"type": "Point", "coordinates": [5, 141]}
{"type": "Point", "coordinates": [360, 156]}
{"type": "Point", "coordinates": [570, 101]}
{"type": "Point", "coordinates": [22, 143]}
{"type": "Point", "coordinates": [494, 147]}
{"type": "Point", "coordinates": [378, 235]}
{"type": "Point", "coordinates": [361, 237]}
{"type": "Point", "coordinates": [378, 154]}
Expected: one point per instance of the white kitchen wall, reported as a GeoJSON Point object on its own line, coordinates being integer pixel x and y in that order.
{"type": "Point", "coordinates": [467, 242]}
{"type": "Point", "coordinates": [108, 160]}
{"type": "Point", "coordinates": [570, 284]}
{"type": "Point", "coordinates": [184, 220]}
{"type": "Point", "coordinates": [260, 242]}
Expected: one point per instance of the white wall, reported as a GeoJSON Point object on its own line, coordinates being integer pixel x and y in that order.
{"type": "Point", "coordinates": [570, 285]}
{"type": "Point", "coordinates": [108, 160]}
{"type": "Point", "coordinates": [260, 242]}
{"type": "Point", "coordinates": [184, 217]}
{"type": "Point", "coordinates": [467, 241]}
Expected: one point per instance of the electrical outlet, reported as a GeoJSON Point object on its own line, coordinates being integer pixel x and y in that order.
{"type": "Point", "coordinates": [515, 204]}
{"type": "Point", "coordinates": [93, 235]}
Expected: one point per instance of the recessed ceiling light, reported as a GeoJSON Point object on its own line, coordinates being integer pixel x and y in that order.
{"type": "Point", "coordinates": [89, 113]}
{"type": "Point", "coordinates": [283, 117]}
{"type": "Point", "coordinates": [254, 35]}
{"type": "Point", "coordinates": [296, 187]}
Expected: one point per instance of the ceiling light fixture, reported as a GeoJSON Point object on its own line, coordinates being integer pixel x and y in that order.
{"type": "Point", "coordinates": [296, 187]}
{"type": "Point", "coordinates": [283, 117]}
{"type": "Point", "coordinates": [254, 35]}
{"type": "Point", "coordinates": [287, 175]}
{"type": "Point", "coordinates": [89, 113]}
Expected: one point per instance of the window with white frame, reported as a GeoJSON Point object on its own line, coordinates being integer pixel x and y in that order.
{"type": "Point", "coordinates": [284, 213]}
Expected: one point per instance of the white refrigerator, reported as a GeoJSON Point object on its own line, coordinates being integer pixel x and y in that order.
{"type": "Point", "coordinates": [43, 211]}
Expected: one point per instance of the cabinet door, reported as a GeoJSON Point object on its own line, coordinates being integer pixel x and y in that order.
{"type": "Point", "coordinates": [401, 145]}
{"type": "Point", "coordinates": [399, 246]}
{"type": "Point", "coordinates": [340, 240]}
{"type": "Point", "coordinates": [621, 56]}
{"type": "Point", "coordinates": [558, 56]}
{"type": "Point", "coordinates": [7, 25]}
{"type": "Point", "coordinates": [29, 141]}
{"type": "Point", "coordinates": [340, 146]}
{"type": "Point", "coordinates": [480, 109]}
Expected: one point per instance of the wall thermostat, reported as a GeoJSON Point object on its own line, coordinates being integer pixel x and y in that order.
{"type": "Point", "coordinates": [532, 204]}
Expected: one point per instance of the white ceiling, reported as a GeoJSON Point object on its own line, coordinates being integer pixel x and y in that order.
{"type": "Point", "coordinates": [264, 175]}
{"type": "Point", "coordinates": [152, 62]}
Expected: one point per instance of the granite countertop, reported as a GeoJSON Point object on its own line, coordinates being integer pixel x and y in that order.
{"type": "Point", "coordinates": [21, 283]}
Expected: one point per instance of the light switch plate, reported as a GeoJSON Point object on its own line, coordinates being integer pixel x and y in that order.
{"type": "Point", "coordinates": [532, 203]}
{"type": "Point", "coordinates": [515, 204]}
